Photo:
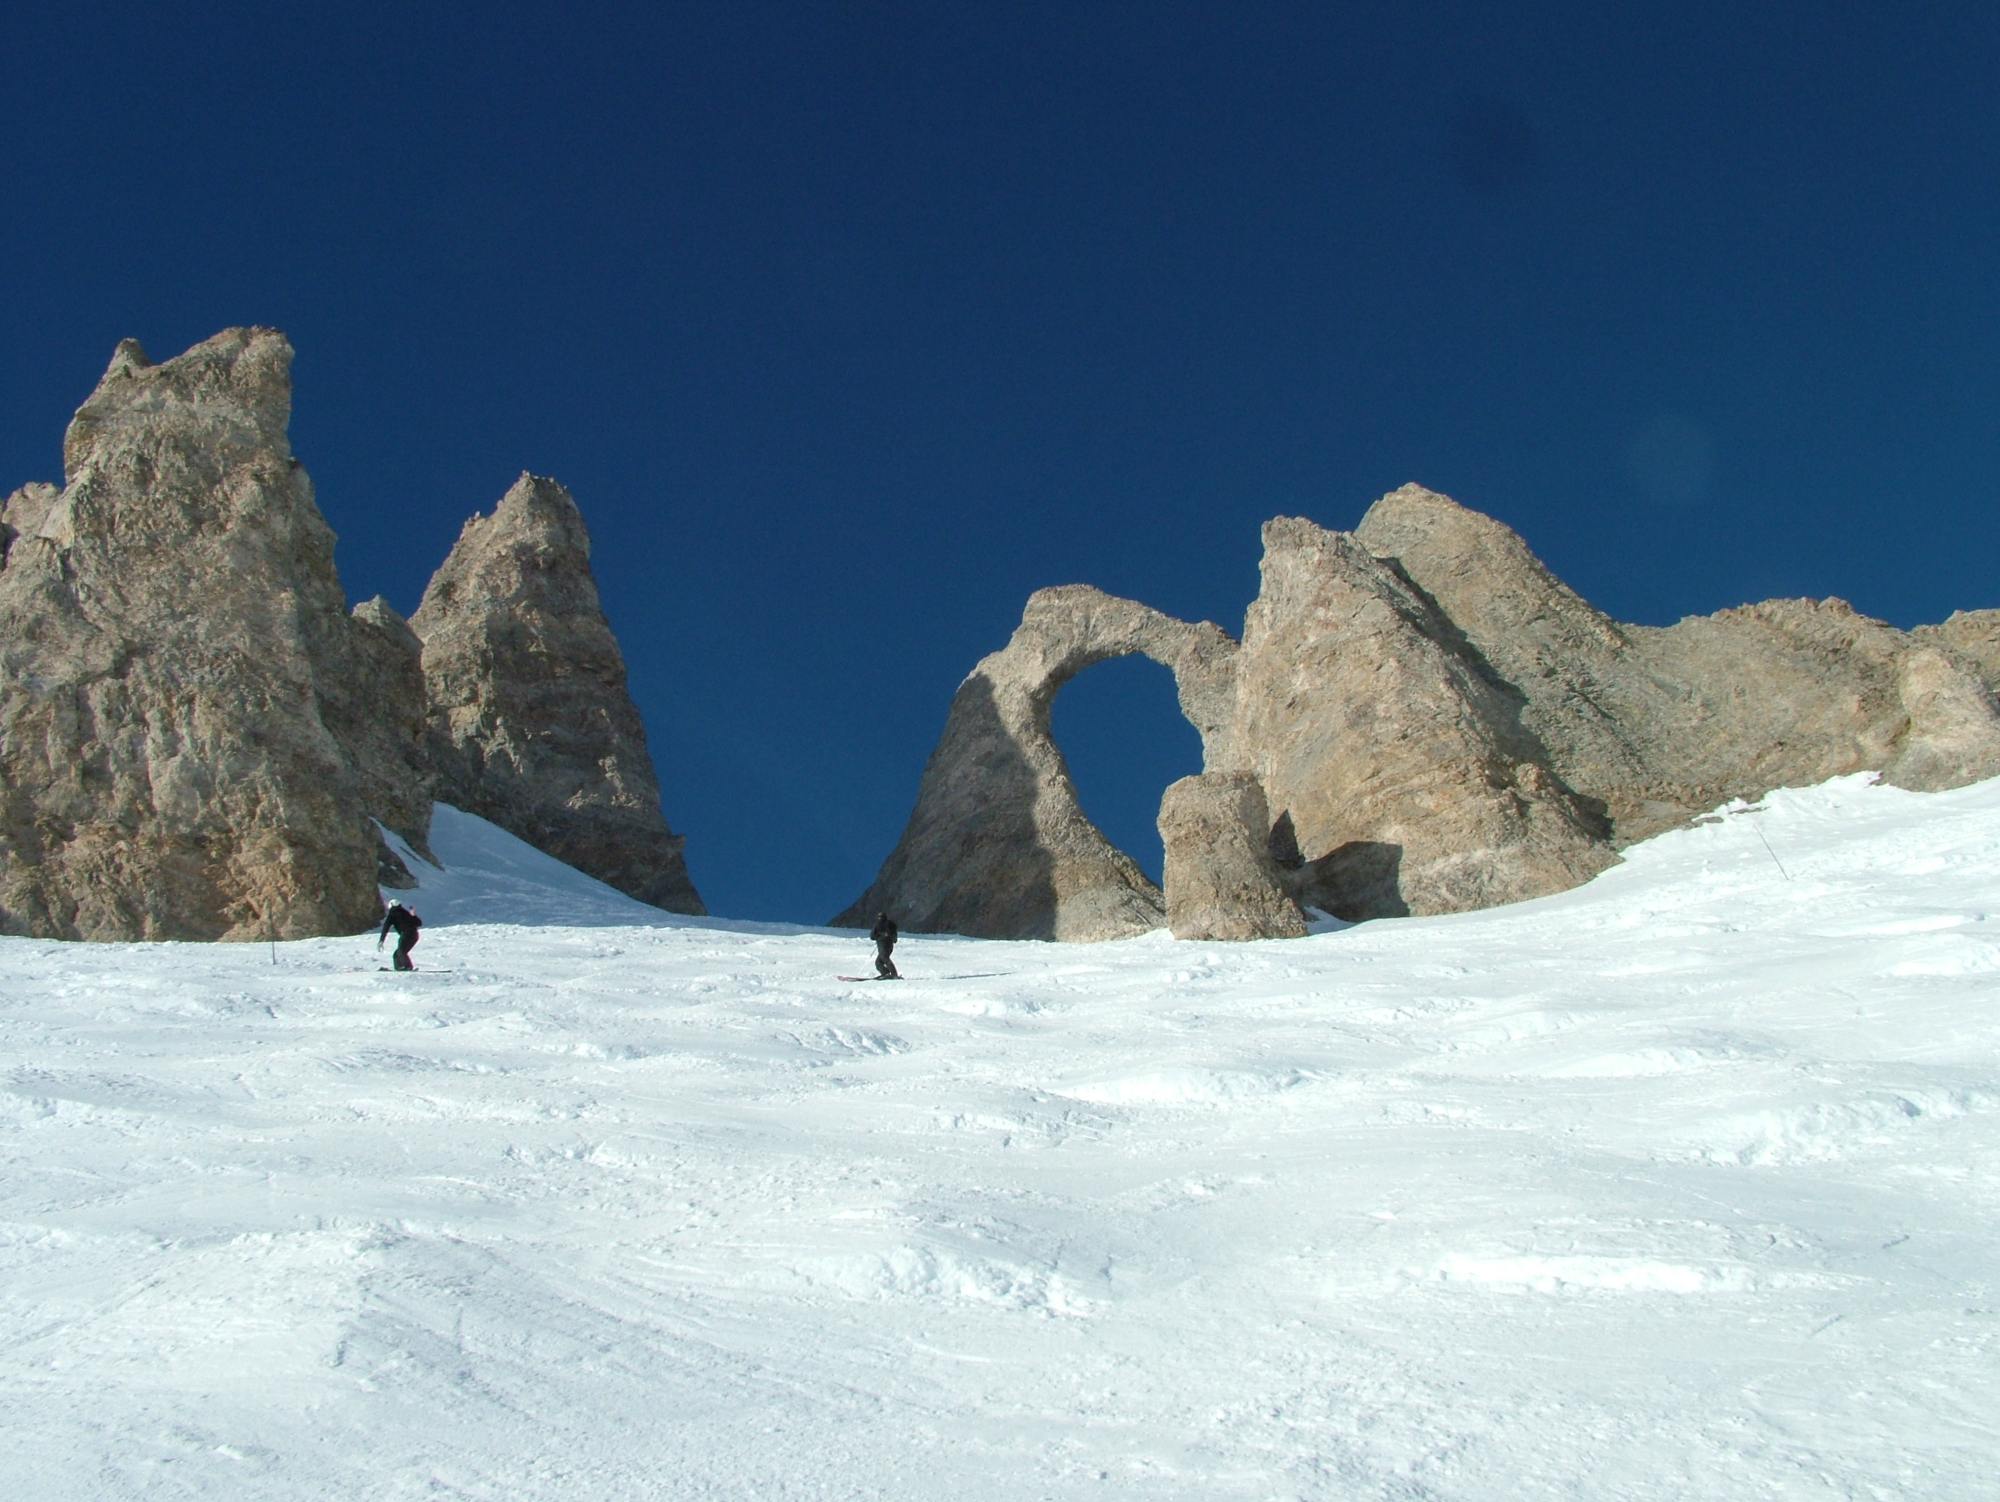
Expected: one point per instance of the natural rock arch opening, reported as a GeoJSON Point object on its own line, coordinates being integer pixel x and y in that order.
{"type": "Point", "coordinates": [1122, 735]}
{"type": "Point", "coordinates": [998, 844]}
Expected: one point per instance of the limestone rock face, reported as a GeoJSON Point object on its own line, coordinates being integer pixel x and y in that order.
{"type": "Point", "coordinates": [22, 513]}
{"type": "Point", "coordinates": [1221, 882]}
{"type": "Point", "coordinates": [378, 714]}
{"type": "Point", "coordinates": [1432, 722]}
{"type": "Point", "coordinates": [1950, 739]}
{"type": "Point", "coordinates": [1562, 665]}
{"type": "Point", "coordinates": [998, 845]}
{"type": "Point", "coordinates": [1658, 724]}
{"type": "Point", "coordinates": [1394, 762]}
{"type": "Point", "coordinates": [197, 739]}
{"type": "Point", "coordinates": [174, 652]}
{"type": "Point", "coordinates": [530, 722]}
{"type": "Point", "coordinates": [1970, 638]}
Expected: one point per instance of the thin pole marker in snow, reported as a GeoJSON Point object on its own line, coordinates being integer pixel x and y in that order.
{"type": "Point", "coordinates": [1767, 844]}
{"type": "Point", "coordinates": [1774, 855]}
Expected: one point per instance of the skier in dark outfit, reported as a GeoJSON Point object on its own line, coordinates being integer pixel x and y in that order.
{"type": "Point", "coordinates": [884, 935]}
{"type": "Point", "coordinates": [406, 924]}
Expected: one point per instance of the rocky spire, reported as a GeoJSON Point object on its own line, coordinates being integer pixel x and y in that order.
{"type": "Point", "coordinates": [531, 724]}
{"type": "Point", "coordinates": [172, 634]}
{"type": "Point", "coordinates": [1397, 772]}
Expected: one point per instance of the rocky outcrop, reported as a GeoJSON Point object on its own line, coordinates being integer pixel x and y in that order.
{"type": "Point", "coordinates": [998, 844]}
{"type": "Point", "coordinates": [1970, 638]}
{"type": "Point", "coordinates": [530, 722]}
{"type": "Point", "coordinates": [197, 740]}
{"type": "Point", "coordinates": [1432, 722]}
{"type": "Point", "coordinates": [175, 663]}
{"type": "Point", "coordinates": [1659, 724]}
{"type": "Point", "coordinates": [1221, 882]}
{"type": "Point", "coordinates": [1395, 762]}
{"type": "Point", "coordinates": [385, 730]}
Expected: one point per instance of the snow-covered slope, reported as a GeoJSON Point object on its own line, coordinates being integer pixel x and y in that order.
{"type": "Point", "coordinates": [1679, 1185]}
{"type": "Point", "coordinates": [489, 876]}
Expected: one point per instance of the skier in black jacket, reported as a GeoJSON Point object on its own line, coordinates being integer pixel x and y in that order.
{"type": "Point", "coordinates": [884, 935]}
{"type": "Point", "coordinates": [406, 924]}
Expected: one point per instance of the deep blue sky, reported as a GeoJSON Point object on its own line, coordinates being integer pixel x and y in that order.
{"type": "Point", "coordinates": [850, 325]}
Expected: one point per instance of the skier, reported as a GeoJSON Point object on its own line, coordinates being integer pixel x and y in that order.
{"type": "Point", "coordinates": [406, 924]}
{"type": "Point", "coordinates": [884, 935]}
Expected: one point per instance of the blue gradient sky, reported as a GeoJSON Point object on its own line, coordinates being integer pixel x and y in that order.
{"type": "Point", "coordinates": [849, 325]}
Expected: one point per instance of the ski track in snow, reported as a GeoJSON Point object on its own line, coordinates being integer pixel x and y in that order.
{"type": "Point", "coordinates": [1681, 1184]}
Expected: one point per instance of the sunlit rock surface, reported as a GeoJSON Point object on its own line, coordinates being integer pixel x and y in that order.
{"type": "Point", "coordinates": [179, 749]}
{"type": "Point", "coordinates": [199, 741]}
{"type": "Point", "coordinates": [1433, 721]}
{"type": "Point", "coordinates": [531, 724]}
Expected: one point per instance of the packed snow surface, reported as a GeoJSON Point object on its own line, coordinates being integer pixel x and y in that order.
{"type": "Point", "coordinates": [1683, 1184]}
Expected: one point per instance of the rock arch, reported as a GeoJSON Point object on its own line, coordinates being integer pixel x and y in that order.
{"type": "Point", "coordinates": [1124, 739]}
{"type": "Point", "coordinates": [998, 844]}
